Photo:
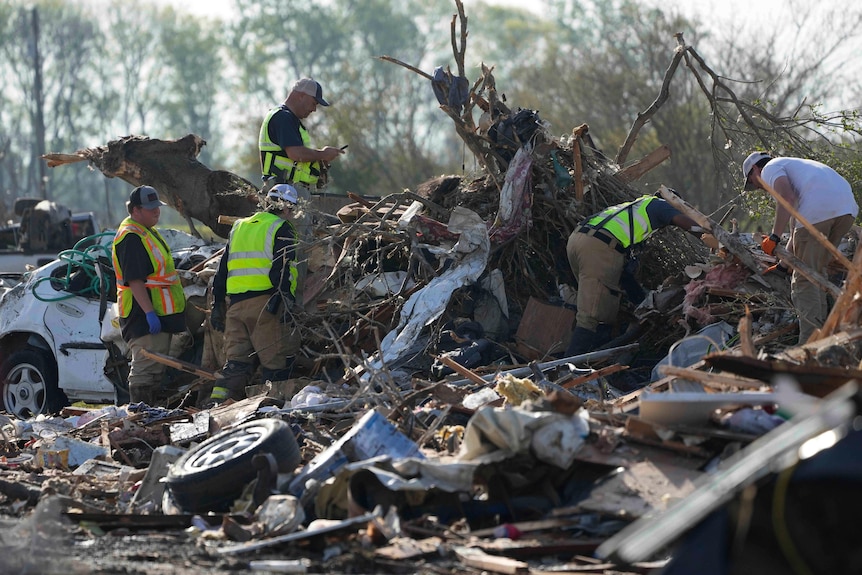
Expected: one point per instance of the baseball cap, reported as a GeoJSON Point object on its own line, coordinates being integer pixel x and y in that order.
{"type": "Point", "coordinates": [749, 163]}
{"type": "Point", "coordinates": [283, 192]}
{"type": "Point", "coordinates": [312, 88]}
{"type": "Point", "coordinates": [145, 196]}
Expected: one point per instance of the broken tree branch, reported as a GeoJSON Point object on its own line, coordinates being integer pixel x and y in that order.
{"type": "Point", "coordinates": [643, 117]}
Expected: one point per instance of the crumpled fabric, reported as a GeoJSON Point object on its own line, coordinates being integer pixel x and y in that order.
{"type": "Point", "coordinates": [498, 433]}
{"type": "Point", "coordinates": [450, 90]}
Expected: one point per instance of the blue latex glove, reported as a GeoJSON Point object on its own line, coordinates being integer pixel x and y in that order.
{"type": "Point", "coordinates": [154, 322]}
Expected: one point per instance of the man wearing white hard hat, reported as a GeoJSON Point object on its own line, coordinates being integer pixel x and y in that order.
{"type": "Point", "coordinates": [821, 196]}
{"type": "Point", "coordinates": [254, 292]}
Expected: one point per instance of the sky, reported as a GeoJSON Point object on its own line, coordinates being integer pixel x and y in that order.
{"type": "Point", "coordinates": [722, 10]}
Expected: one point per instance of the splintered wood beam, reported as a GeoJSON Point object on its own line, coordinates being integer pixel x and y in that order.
{"type": "Point", "coordinates": [645, 164]}
{"type": "Point", "coordinates": [731, 242]}
{"type": "Point", "coordinates": [721, 381]}
{"type": "Point", "coordinates": [577, 134]}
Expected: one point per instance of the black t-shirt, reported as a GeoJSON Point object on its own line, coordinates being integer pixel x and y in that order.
{"type": "Point", "coordinates": [660, 213]}
{"type": "Point", "coordinates": [284, 128]}
{"type": "Point", "coordinates": [136, 265]}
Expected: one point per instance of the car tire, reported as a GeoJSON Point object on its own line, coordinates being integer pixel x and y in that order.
{"type": "Point", "coordinates": [212, 475]}
{"type": "Point", "coordinates": [29, 384]}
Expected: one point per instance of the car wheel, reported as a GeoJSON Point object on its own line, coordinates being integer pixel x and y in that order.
{"type": "Point", "coordinates": [210, 476]}
{"type": "Point", "coordinates": [29, 379]}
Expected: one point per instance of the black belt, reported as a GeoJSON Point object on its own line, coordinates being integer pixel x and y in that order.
{"type": "Point", "coordinates": [604, 236]}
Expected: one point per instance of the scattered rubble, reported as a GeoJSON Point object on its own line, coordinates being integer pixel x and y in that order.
{"type": "Point", "coordinates": [434, 428]}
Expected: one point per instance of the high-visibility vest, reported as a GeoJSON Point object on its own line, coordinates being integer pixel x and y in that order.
{"type": "Point", "coordinates": [163, 284]}
{"type": "Point", "coordinates": [273, 162]}
{"type": "Point", "coordinates": [627, 222]}
{"type": "Point", "coordinates": [252, 243]}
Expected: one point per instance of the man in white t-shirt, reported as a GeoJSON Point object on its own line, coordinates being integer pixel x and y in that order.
{"type": "Point", "coordinates": [825, 200]}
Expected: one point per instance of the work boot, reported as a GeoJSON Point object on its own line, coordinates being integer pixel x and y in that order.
{"type": "Point", "coordinates": [235, 376]}
{"type": "Point", "coordinates": [604, 334]}
{"type": "Point", "coordinates": [280, 379]}
{"type": "Point", "coordinates": [147, 395]}
{"type": "Point", "coordinates": [582, 341]}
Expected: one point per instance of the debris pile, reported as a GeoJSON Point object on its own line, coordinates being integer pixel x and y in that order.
{"type": "Point", "coordinates": [431, 424]}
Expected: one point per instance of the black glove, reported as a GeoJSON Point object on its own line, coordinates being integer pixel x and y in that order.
{"type": "Point", "coordinates": [274, 303]}
{"type": "Point", "coordinates": [778, 269]}
{"type": "Point", "coordinates": [217, 314]}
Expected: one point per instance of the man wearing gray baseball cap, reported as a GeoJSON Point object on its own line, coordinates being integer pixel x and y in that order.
{"type": "Point", "coordinates": [288, 157]}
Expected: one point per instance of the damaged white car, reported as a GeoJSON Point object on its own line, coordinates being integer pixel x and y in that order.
{"type": "Point", "coordinates": [59, 338]}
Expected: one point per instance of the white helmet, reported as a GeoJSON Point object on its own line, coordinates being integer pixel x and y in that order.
{"type": "Point", "coordinates": [283, 192]}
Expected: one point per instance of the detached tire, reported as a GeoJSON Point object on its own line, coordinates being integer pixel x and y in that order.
{"type": "Point", "coordinates": [29, 380]}
{"type": "Point", "coordinates": [210, 476]}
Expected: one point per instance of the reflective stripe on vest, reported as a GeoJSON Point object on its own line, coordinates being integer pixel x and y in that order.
{"type": "Point", "coordinates": [627, 222]}
{"type": "Point", "coordinates": [273, 162]}
{"type": "Point", "coordinates": [163, 284]}
{"type": "Point", "coordinates": [252, 243]}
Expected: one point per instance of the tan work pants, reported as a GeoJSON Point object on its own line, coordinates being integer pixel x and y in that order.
{"type": "Point", "coordinates": [145, 374]}
{"type": "Point", "coordinates": [251, 331]}
{"type": "Point", "coordinates": [598, 268]}
{"type": "Point", "coordinates": [808, 299]}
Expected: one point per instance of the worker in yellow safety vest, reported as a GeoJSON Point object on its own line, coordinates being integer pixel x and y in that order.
{"type": "Point", "coordinates": [598, 249]}
{"type": "Point", "coordinates": [288, 157]}
{"type": "Point", "coordinates": [254, 293]}
{"type": "Point", "coordinates": [150, 297]}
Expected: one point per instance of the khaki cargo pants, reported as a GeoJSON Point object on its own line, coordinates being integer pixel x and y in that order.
{"type": "Point", "coordinates": [251, 331]}
{"type": "Point", "coordinates": [598, 268]}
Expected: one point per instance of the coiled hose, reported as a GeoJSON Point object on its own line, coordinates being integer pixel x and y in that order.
{"type": "Point", "coordinates": [82, 264]}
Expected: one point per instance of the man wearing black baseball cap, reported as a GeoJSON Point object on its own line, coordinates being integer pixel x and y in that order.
{"type": "Point", "coordinates": [150, 297]}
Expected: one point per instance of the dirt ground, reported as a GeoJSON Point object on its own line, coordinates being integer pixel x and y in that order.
{"type": "Point", "coordinates": [46, 542]}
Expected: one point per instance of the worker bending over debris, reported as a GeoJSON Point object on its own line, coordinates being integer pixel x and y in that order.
{"type": "Point", "coordinates": [824, 199]}
{"type": "Point", "coordinates": [256, 281]}
{"type": "Point", "coordinates": [597, 252]}
{"type": "Point", "coordinates": [150, 296]}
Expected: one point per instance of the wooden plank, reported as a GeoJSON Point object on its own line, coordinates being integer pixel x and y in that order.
{"type": "Point", "coordinates": [478, 559]}
{"type": "Point", "coordinates": [714, 380]}
{"type": "Point", "coordinates": [460, 369]}
{"type": "Point", "coordinates": [731, 242]}
{"type": "Point", "coordinates": [813, 379]}
{"type": "Point", "coordinates": [594, 375]}
{"type": "Point", "coordinates": [815, 233]}
{"type": "Point", "coordinates": [645, 164]}
{"type": "Point", "coordinates": [179, 364]}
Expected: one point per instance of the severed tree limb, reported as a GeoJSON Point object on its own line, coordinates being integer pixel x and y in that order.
{"type": "Point", "coordinates": [643, 117]}
{"type": "Point", "coordinates": [172, 167]}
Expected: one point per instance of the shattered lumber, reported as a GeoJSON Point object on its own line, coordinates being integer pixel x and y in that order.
{"type": "Point", "coordinates": [815, 233]}
{"type": "Point", "coordinates": [734, 246]}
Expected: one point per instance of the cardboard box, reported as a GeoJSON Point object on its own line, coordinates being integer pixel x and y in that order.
{"type": "Point", "coordinates": [544, 329]}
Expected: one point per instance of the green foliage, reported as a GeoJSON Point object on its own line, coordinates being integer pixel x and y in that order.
{"type": "Point", "coordinates": [110, 71]}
